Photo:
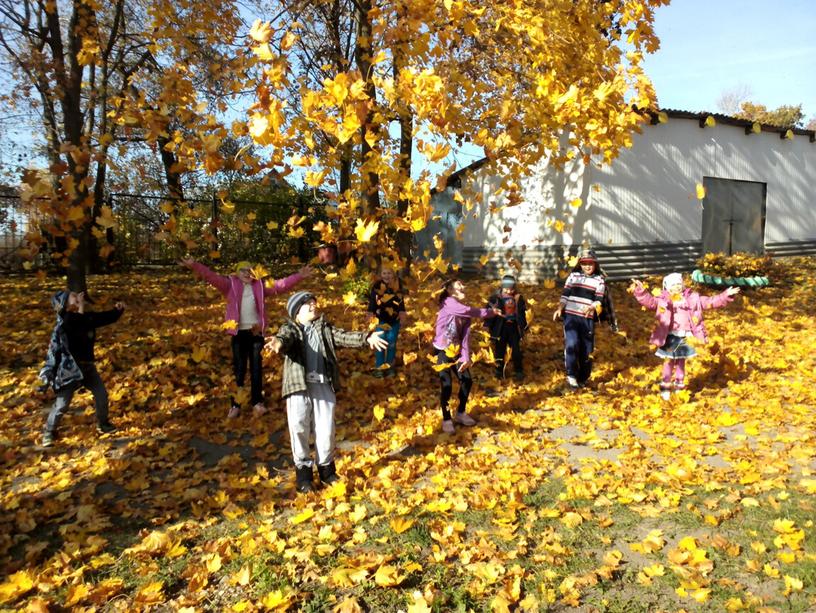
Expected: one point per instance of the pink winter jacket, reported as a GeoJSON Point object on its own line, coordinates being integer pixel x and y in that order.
{"type": "Point", "coordinates": [233, 289]}
{"type": "Point", "coordinates": [664, 308]}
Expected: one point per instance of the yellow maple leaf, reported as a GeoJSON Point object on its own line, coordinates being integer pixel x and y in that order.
{"type": "Point", "coordinates": [701, 192]}
{"type": "Point", "coordinates": [301, 517]}
{"type": "Point", "coordinates": [379, 411]}
{"type": "Point", "coordinates": [350, 298]}
{"type": "Point", "coordinates": [388, 576]}
{"type": "Point", "coordinates": [277, 600]}
{"type": "Point", "coordinates": [366, 230]}
{"type": "Point", "coordinates": [401, 524]}
{"type": "Point", "coordinates": [151, 593]}
{"type": "Point", "coordinates": [261, 31]}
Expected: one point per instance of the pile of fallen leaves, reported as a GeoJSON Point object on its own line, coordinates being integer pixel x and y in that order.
{"type": "Point", "coordinates": [609, 499]}
{"type": "Point", "coordinates": [738, 265]}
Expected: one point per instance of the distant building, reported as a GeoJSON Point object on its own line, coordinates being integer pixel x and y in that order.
{"type": "Point", "coordinates": [642, 213]}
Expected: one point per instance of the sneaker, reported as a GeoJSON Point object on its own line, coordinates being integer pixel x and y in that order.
{"type": "Point", "coordinates": [377, 374]}
{"type": "Point", "coordinates": [572, 382]}
{"type": "Point", "coordinates": [665, 394]}
{"type": "Point", "coordinates": [391, 372]}
{"type": "Point", "coordinates": [447, 427]}
{"type": "Point", "coordinates": [259, 409]}
{"type": "Point", "coordinates": [105, 428]}
{"type": "Point", "coordinates": [679, 387]}
{"type": "Point", "coordinates": [464, 419]}
{"type": "Point", "coordinates": [234, 412]}
{"type": "Point", "coordinates": [48, 439]}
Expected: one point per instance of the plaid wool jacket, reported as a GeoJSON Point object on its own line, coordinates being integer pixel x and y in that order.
{"type": "Point", "coordinates": [292, 340]}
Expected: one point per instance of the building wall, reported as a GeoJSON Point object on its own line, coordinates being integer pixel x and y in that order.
{"type": "Point", "coordinates": [642, 211]}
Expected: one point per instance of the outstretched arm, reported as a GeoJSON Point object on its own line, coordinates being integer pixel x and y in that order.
{"type": "Point", "coordinates": [284, 285]}
{"type": "Point", "coordinates": [720, 300]}
{"type": "Point", "coordinates": [454, 307]}
{"type": "Point", "coordinates": [643, 296]}
{"type": "Point", "coordinates": [220, 282]}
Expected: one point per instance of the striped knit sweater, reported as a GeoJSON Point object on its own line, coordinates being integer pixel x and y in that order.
{"type": "Point", "coordinates": [580, 291]}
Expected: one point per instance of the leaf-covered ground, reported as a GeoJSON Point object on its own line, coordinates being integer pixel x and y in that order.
{"type": "Point", "coordinates": [609, 499]}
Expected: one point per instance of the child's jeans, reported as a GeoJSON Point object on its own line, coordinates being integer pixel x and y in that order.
{"type": "Point", "coordinates": [390, 334]}
{"type": "Point", "coordinates": [579, 342]}
{"type": "Point", "coordinates": [511, 337]}
{"type": "Point", "coordinates": [91, 381]}
{"type": "Point", "coordinates": [246, 347]}
{"type": "Point", "coordinates": [309, 411]}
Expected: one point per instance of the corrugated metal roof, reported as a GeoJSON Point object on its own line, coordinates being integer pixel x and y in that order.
{"type": "Point", "coordinates": [653, 118]}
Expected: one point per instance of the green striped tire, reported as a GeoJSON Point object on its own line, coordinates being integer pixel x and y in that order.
{"type": "Point", "coordinates": [698, 276]}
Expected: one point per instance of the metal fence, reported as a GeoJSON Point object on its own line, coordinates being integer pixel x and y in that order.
{"type": "Point", "coordinates": [239, 230]}
{"type": "Point", "coordinates": [15, 222]}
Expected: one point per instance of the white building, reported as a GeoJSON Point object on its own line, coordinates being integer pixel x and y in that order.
{"type": "Point", "coordinates": [642, 213]}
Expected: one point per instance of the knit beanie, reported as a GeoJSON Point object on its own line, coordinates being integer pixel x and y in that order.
{"type": "Point", "coordinates": [241, 265]}
{"type": "Point", "coordinates": [508, 281]}
{"type": "Point", "coordinates": [297, 300]}
{"type": "Point", "coordinates": [588, 255]}
{"type": "Point", "coordinates": [59, 300]}
{"type": "Point", "coordinates": [672, 279]}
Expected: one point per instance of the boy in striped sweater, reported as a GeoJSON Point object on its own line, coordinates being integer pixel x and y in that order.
{"type": "Point", "coordinates": [580, 302]}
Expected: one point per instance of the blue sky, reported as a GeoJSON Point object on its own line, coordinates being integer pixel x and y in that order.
{"type": "Point", "coordinates": [708, 46]}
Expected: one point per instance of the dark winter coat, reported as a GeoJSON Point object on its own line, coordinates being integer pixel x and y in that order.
{"type": "Point", "coordinates": [496, 324]}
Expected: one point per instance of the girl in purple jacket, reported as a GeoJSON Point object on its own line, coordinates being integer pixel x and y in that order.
{"type": "Point", "coordinates": [679, 313]}
{"type": "Point", "coordinates": [245, 311]}
{"type": "Point", "coordinates": [452, 346]}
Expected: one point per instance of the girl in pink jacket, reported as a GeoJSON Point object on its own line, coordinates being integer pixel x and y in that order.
{"type": "Point", "coordinates": [452, 347]}
{"type": "Point", "coordinates": [245, 310]}
{"type": "Point", "coordinates": [679, 313]}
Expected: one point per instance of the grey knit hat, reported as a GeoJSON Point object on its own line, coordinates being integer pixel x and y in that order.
{"type": "Point", "coordinates": [297, 300]}
{"type": "Point", "coordinates": [508, 281]}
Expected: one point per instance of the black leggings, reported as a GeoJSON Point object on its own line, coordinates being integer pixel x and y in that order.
{"type": "Point", "coordinates": [246, 347]}
{"type": "Point", "coordinates": [446, 380]}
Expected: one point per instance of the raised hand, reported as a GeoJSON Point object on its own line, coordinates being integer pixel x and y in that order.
{"type": "Point", "coordinates": [732, 291]}
{"type": "Point", "coordinates": [635, 285]}
{"type": "Point", "coordinates": [274, 344]}
{"type": "Point", "coordinates": [376, 341]}
{"type": "Point", "coordinates": [119, 306]}
{"type": "Point", "coordinates": [306, 271]}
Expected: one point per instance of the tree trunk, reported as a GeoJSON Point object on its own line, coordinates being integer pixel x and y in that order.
{"type": "Point", "coordinates": [404, 238]}
{"type": "Point", "coordinates": [362, 56]}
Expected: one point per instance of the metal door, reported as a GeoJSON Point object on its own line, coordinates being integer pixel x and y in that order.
{"type": "Point", "coordinates": [733, 216]}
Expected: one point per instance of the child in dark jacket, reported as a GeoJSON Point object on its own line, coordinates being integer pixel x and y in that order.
{"type": "Point", "coordinates": [452, 346]}
{"type": "Point", "coordinates": [311, 379]}
{"type": "Point", "coordinates": [386, 304]}
{"type": "Point", "coordinates": [508, 328]}
{"type": "Point", "coordinates": [246, 311]}
{"type": "Point", "coordinates": [70, 362]}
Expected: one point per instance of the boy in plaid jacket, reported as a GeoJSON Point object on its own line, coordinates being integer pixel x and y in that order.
{"type": "Point", "coordinates": [311, 379]}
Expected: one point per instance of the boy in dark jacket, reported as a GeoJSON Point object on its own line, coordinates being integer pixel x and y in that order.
{"type": "Point", "coordinates": [70, 362]}
{"type": "Point", "coordinates": [508, 328]}
{"type": "Point", "coordinates": [311, 379]}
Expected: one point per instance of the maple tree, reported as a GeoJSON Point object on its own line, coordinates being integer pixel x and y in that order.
{"type": "Point", "coordinates": [509, 78]}
{"type": "Point", "coordinates": [102, 76]}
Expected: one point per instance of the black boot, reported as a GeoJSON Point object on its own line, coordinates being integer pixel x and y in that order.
{"type": "Point", "coordinates": [303, 479]}
{"type": "Point", "coordinates": [328, 473]}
